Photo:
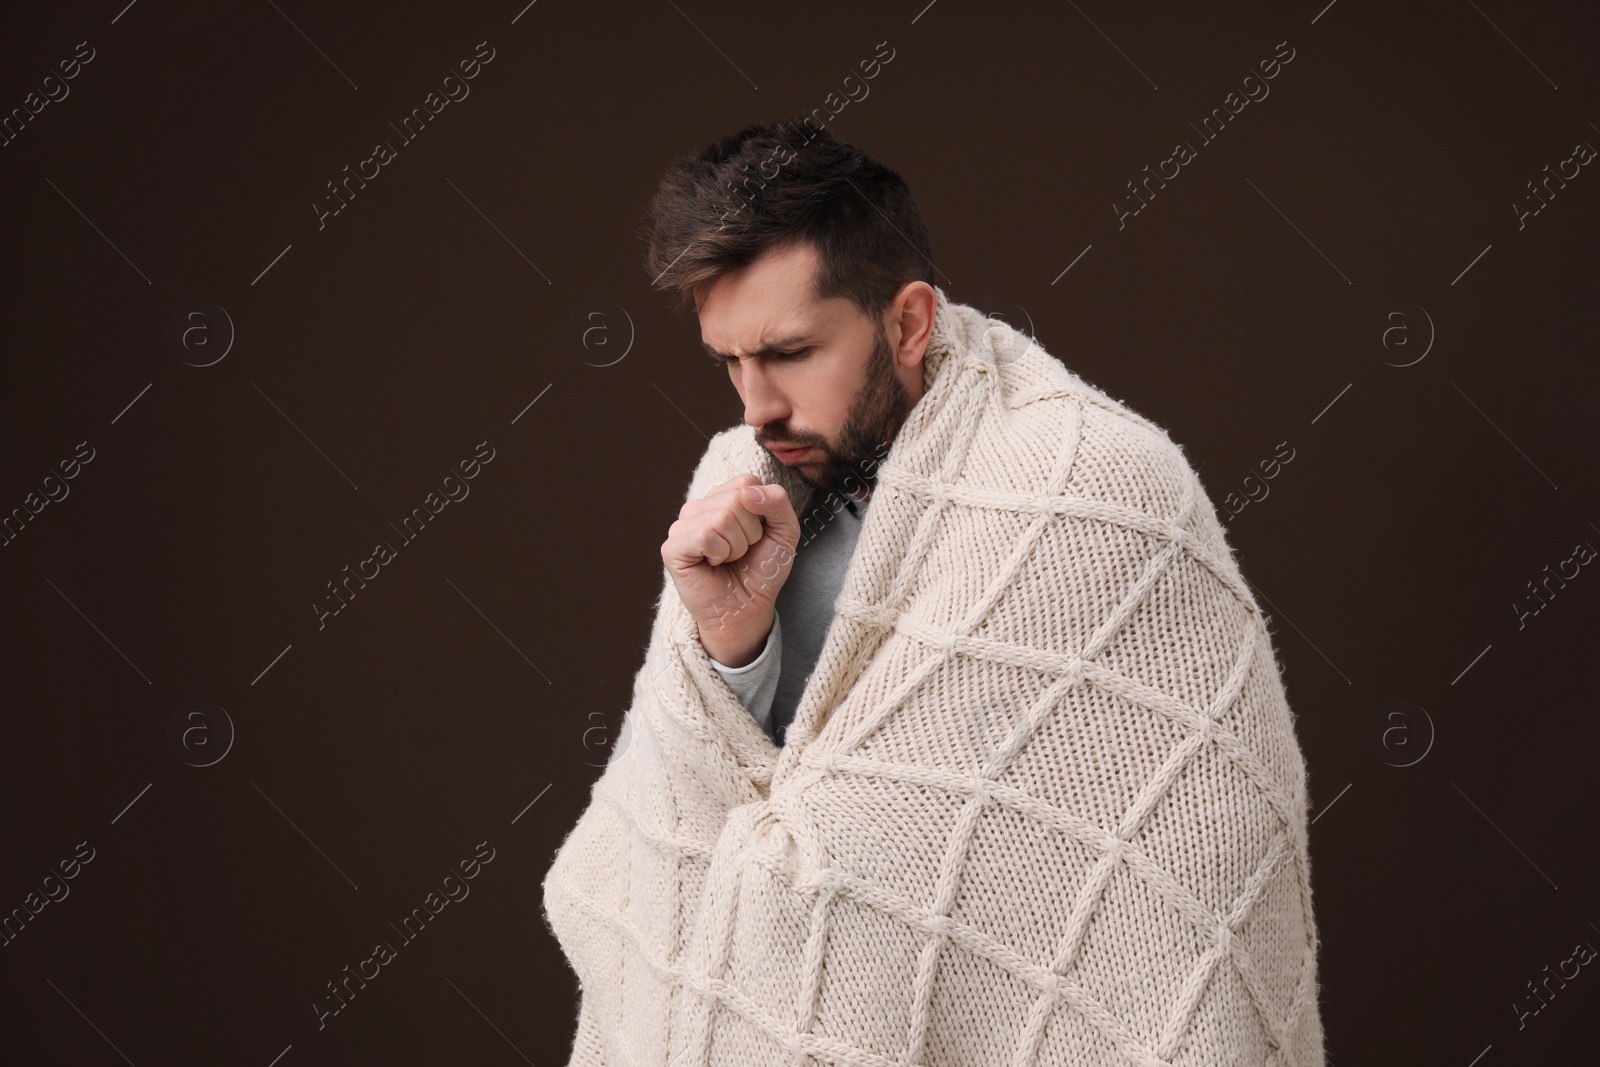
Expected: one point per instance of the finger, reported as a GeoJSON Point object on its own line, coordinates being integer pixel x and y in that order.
{"type": "Point", "coordinates": [730, 496]}
{"type": "Point", "coordinates": [750, 523]}
{"type": "Point", "coordinates": [733, 485]}
{"type": "Point", "coordinates": [690, 545]}
{"type": "Point", "coordinates": [716, 546]}
{"type": "Point", "coordinates": [717, 536]}
{"type": "Point", "coordinates": [776, 511]}
{"type": "Point", "coordinates": [737, 525]}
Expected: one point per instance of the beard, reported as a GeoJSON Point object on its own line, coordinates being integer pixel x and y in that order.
{"type": "Point", "coordinates": [876, 414]}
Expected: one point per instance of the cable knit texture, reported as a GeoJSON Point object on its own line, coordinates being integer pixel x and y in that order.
{"type": "Point", "coordinates": [1042, 802]}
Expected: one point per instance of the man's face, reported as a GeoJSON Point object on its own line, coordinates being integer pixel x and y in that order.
{"type": "Point", "coordinates": [838, 397]}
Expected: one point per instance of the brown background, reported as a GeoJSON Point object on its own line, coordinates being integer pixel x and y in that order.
{"type": "Point", "coordinates": [486, 664]}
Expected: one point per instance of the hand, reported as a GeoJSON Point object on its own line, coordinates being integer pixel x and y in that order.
{"type": "Point", "coordinates": [729, 555]}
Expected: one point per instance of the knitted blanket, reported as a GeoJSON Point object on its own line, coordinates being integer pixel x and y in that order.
{"type": "Point", "coordinates": [1042, 802]}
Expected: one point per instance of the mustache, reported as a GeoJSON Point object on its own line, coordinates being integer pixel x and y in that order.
{"type": "Point", "coordinates": [766, 438]}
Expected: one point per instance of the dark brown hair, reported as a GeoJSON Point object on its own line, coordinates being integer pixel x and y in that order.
{"type": "Point", "coordinates": [772, 184]}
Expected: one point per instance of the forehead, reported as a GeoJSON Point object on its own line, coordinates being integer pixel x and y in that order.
{"type": "Point", "coordinates": [764, 300]}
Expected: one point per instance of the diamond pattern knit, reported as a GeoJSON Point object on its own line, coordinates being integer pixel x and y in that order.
{"type": "Point", "coordinates": [1042, 802]}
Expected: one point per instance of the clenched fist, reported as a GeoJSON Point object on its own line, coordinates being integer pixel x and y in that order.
{"type": "Point", "coordinates": [729, 553]}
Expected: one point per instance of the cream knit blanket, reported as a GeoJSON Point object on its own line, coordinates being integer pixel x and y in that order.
{"type": "Point", "coordinates": [1042, 802]}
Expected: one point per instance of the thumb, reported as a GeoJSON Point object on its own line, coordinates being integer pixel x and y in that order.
{"type": "Point", "coordinates": [775, 510]}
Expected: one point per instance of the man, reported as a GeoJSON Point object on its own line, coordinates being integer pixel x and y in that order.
{"type": "Point", "coordinates": [1026, 789]}
{"type": "Point", "coordinates": [817, 368]}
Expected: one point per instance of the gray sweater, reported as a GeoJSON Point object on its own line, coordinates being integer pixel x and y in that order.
{"type": "Point", "coordinates": [770, 685]}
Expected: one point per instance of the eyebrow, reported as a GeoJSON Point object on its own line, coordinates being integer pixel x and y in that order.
{"type": "Point", "coordinates": [771, 348]}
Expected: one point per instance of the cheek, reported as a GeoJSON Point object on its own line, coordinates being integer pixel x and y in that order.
{"type": "Point", "coordinates": [821, 396]}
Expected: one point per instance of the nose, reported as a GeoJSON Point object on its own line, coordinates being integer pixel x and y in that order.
{"type": "Point", "coordinates": [762, 401]}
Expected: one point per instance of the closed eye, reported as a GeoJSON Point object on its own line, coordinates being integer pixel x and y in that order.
{"type": "Point", "coordinates": [723, 361]}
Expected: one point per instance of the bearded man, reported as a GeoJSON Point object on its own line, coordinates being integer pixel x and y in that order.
{"type": "Point", "coordinates": [959, 738]}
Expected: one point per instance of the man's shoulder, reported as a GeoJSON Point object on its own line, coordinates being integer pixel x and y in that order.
{"type": "Point", "coordinates": [1052, 416]}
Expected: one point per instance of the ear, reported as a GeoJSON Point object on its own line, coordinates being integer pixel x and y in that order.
{"type": "Point", "coordinates": [910, 324]}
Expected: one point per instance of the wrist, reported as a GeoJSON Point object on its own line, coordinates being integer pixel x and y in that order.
{"type": "Point", "coordinates": [737, 647]}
